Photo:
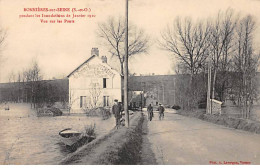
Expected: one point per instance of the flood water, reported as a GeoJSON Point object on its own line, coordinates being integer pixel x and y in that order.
{"type": "Point", "coordinates": [27, 139]}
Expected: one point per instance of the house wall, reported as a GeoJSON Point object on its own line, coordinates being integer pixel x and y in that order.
{"type": "Point", "coordinates": [151, 98]}
{"type": "Point", "coordinates": [88, 81]}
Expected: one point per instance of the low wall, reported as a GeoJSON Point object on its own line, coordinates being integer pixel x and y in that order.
{"type": "Point", "coordinates": [120, 146]}
{"type": "Point", "coordinates": [216, 106]}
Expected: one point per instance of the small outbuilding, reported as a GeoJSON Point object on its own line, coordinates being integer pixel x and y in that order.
{"type": "Point", "coordinates": [216, 106]}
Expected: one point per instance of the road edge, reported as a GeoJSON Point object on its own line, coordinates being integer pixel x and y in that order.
{"type": "Point", "coordinates": [236, 123]}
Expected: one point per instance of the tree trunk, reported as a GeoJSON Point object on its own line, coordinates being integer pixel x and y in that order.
{"type": "Point", "coordinates": [191, 92]}
{"type": "Point", "coordinates": [214, 83]}
{"type": "Point", "coordinates": [122, 81]}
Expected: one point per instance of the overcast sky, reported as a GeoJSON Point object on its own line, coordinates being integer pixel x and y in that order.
{"type": "Point", "coordinates": [60, 48]}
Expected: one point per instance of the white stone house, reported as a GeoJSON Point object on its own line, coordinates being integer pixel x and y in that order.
{"type": "Point", "coordinates": [93, 84]}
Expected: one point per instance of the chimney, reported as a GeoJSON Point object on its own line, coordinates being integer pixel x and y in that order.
{"type": "Point", "coordinates": [94, 51]}
{"type": "Point", "coordinates": [104, 59]}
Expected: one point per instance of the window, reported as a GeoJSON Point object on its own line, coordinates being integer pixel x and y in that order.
{"type": "Point", "coordinates": [82, 101]}
{"type": "Point", "coordinates": [104, 82]}
{"type": "Point", "coordinates": [105, 101]}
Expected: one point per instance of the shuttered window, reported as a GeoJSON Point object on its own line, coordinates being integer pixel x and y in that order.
{"type": "Point", "coordinates": [104, 82]}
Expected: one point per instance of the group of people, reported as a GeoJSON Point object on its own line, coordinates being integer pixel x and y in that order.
{"type": "Point", "coordinates": [117, 110]}
{"type": "Point", "coordinates": [150, 112]}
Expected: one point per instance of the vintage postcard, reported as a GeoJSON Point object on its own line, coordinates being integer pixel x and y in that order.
{"type": "Point", "coordinates": [129, 82]}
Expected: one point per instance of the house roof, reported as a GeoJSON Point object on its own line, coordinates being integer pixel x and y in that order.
{"type": "Point", "coordinates": [90, 58]}
{"type": "Point", "coordinates": [81, 65]}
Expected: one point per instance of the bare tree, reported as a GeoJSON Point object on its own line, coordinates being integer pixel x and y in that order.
{"type": "Point", "coordinates": [246, 64]}
{"type": "Point", "coordinates": [221, 38]}
{"type": "Point", "coordinates": [2, 40]}
{"type": "Point", "coordinates": [72, 100]}
{"type": "Point", "coordinates": [112, 33]}
{"type": "Point", "coordinates": [20, 82]}
{"type": "Point", "coordinates": [12, 80]}
{"type": "Point", "coordinates": [95, 92]}
{"type": "Point", "coordinates": [2, 37]}
{"type": "Point", "coordinates": [16, 89]}
{"type": "Point", "coordinates": [32, 76]}
{"type": "Point", "coordinates": [189, 42]}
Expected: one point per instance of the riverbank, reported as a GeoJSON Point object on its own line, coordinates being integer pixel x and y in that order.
{"type": "Point", "coordinates": [122, 146]}
{"type": "Point", "coordinates": [231, 122]}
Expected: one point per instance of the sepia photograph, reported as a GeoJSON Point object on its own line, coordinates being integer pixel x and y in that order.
{"type": "Point", "coordinates": [130, 82]}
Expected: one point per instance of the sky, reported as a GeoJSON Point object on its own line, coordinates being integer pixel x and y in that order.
{"type": "Point", "coordinates": [59, 48]}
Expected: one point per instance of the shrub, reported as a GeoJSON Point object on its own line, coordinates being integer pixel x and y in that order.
{"type": "Point", "coordinates": [55, 111]}
{"type": "Point", "coordinates": [99, 112]}
{"type": "Point", "coordinates": [167, 106]}
{"type": "Point", "coordinates": [48, 112]}
{"type": "Point", "coordinates": [90, 130]}
{"type": "Point", "coordinates": [202, 105]}
{"type": "Point", "coordinates": [176, 107]}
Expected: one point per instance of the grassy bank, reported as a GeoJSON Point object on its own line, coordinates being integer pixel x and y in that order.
{"type": "Point", "coordinates": [232, 122]}
{"type": "Point", "coordinates": [147, 155]}
{"type": "Point", "coordinates": [120, 146]}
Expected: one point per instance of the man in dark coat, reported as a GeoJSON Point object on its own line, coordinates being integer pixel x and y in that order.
{"type": "Point", "coordinates": [161, 111]}
{"type": "Point", "coordinates": [150, 112]}
{"type": "Point", "coordinates": [116, 110]}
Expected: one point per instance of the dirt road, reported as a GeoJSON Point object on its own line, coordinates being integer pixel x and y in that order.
{"type": "Point", "coordinates": [182, 140]}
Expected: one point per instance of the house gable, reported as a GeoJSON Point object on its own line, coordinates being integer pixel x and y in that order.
{"type": "Point", "coordinates": [94, 67]}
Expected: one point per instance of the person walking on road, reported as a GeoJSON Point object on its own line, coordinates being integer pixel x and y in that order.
{"type": "Point", "coordinates": [150, 112]}
{"type": "Point", "coordinates": [116, 110]}
{"type": "Point", "coordinates": [161, 112]}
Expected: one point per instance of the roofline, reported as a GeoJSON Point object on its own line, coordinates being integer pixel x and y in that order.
{"type": "Point", "coordinates": [81, 65]}
{"type": "Point", "coordinates": [86, 62]}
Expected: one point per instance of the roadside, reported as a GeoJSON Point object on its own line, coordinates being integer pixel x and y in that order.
{"type": "Point", "coordinates": [178, 139]}
{"type": "Point", "coordinates": [228, 121]}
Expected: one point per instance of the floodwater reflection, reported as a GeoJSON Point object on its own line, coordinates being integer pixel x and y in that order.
{"type": "Point", "coordinates": [27, 139]}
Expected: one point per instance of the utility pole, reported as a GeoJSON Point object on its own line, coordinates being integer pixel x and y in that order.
{"type": "Point", "coordinates": [209, 88]}
{"type": "Point", "coordinates": [141, 101]}
{"type": "Point", "coordinates": [126, 67]}
{"type": "Point", "coordinates": [142, 95]}
{"type": "Point", "coordinates": [174, 82]}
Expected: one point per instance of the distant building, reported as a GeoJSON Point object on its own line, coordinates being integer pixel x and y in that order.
{"type": "Point", "coordinates": [170, 89]}
{"type": "Point", "coordinates": [155, 89]}
{"type": "Point", "coordinates": [93, 84]}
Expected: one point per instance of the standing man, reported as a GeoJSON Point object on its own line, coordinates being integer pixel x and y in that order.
{"type": "Point", "coordinates": [116, 110]}
{"type": "Point", "coordinates": [150, 112]}
{"type": "Point", "coordinates": [161, 111]}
